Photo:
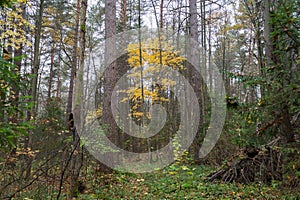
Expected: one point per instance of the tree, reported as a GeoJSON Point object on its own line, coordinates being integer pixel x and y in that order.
{"type": "Point", "coordinates": [13, 39]}
{"type": "Point", "coordinates": [78, 101]}
{"type": "Point", "coordinates": [195, 81]}
{"type": "Point", "coordinates": [10, 130]}
{"type": "Point", "coordinates": [282, 66]}
{"type": "Point", "coordinates": [74, 59]}
{"type": "Point", "coordinates": [36, 56]}
{"type": "Point", "coordinates": [110, 74]}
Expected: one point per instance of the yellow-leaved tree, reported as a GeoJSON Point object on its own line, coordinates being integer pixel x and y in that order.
{"type": "Point", "coordinates": [147, 60]}
{"type": "Point", "coordinates": [13, 105]}
{"type": "Point", "coordinates": [13, 26]}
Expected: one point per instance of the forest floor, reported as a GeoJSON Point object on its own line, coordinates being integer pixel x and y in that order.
{"type": "Point", "coordinates": [179, 181]}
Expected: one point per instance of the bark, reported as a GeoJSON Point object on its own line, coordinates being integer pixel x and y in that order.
{"type": "Point", "coordinates": [267, 32]}
{"type": "Point", "coordinates": [34, 81]}
{"type": "Point", "coordinates": [287, 130]}
{"type": "Point", "coordinates": [210, 61]}
{"type": "Point", "coordinates": [76, 163]}
{"type": "Point", "coordinates": [123, 14]}
{"type": "Point", "coordinates": [271, 59]}
{"type": "Point", "coordinates": [51, 72]}
{"type": "Point", "coordinates": [79, 78]}
{"type": "Point", "coordinates": [36, 56]}
{"type": "Point", "coordinates": [58, 86]}
{"type": "Point", "coordinates": [74, 61]}
{"type": "Point", "coordinates": [161, 13]}
{"type": "Point", "coordinates": [193, 20]}
{"type": "Point", "coordinates": [110, 74]}
{"type": "Point", "coordinates": [122, 69]}
{"type": "Point", "coordinates": [15, 87]}
{"type": "Point", "coordinates": [194, 80]}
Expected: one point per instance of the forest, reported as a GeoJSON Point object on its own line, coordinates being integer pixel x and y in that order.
{"type": "Point", "coordinates": [149, 99]}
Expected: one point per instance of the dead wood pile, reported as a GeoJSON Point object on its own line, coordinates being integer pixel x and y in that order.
{"type": "Point", "coordinates": [251, 165]}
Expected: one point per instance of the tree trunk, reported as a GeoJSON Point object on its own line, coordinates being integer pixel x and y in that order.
{"type": "Point", "coordinates": [51, 71]}
{"type": "Point", "coordinates": [34, 81]}
{"type": "Point", "coordinates": [78, 103]}
{"type": "Point", "coordinates": [267, 32]}
{"type": "Point", "coordinates": [36, 56]}
{"type": "Point", "coordinates": [15, 87]}
{"type": "Point", "coordinates": [110, 74]}
{"type": "Point", "coordinates": [161, 14]}
{"type": "Point", "coordinates": [122, 69]}
{"type": "Point", "coordinates": [195, 81]}
{"type": "Point", "coordinates": [58, 86]}
{"type": "Point", "coordinates": [74, 61]}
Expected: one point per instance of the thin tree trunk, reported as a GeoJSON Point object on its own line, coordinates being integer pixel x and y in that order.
{"type": "Point", "coordinates": [51, 72]}
{"type": "Point", "coordinates": [74, 61]}
{"type": "Point", "coordinates": [36, 56]}
{"type": "Point", "coordinates": [123, 66]}
{"type": "Point", "coordinates": [15, 87]}
{"type": "Point", "coordinates": [267, 32]}
{"type": "Point", "coordinates": [34, 81]}
{"type": "Point", "coordinates": [123, 14]}
{"type": "Point", "coordinates": [161, 14]}
{"type": "Point", "coordinates": [58, 86]}
{"type": "Point", "coordinates": [78, 102]}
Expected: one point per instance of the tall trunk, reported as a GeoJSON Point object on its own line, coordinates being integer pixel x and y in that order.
{"type": "Point", "coordinates": [142, 72]}
{"type": "Point", "coordinates": [110, 74]}
{"type": "Point", "coordinates": [267, 32]}
{"type": "Point", "coordinates": [195, 81]}
{"type": "Point", "coordinates": [273, 57]}
{"type": "Point", "coordinates": [15, 87]}
{"type": "Point", "coordinates": [203, 36]}
{"type": "Point", "coordinates": [78, 103]}
{"type": "Point", "coordinates": [200, 83]}
{"type": "Point", "coordinates": [36, 56]}
{"type": "Point", "coordinates": [159, 24]}
{"type": "Point", "coordinates": [51, 72]}
{"type": "Point", "coordinates": [74, 61]}
{"type": "Point", "coordinates": [161, 13]}
{"type": "Point", "coordinates": [267, 39]}
{"type": "Point", "coordinates": [210, 52]}
{"type": "Point", "coordinates": [122, 68]}
{"type": "Point", "coordinates": [79, 77]}
{"type": "Point", "coordinates": [34, 81]}
{"type": "Point", "coordinates": [260, 56]}
{"type": "Point", "coordinates": [58, 86]}
{"type": "Point", "coordinates": [123, 14]}
{"type": "Point", "coordinates": [193, 20]}
{"type": "Point", "coordinates": [224, 52]}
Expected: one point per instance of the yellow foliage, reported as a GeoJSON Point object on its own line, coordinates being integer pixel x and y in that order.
{"type": "Point", "coordinates": [22, 1]}
{"type": "Point", "coordinates": [154, 53]}
{"type": "Point", "coordinates": [138, 114]}
{"type": "Point", "coordinates": [13, 26]}
{"type": "Point", "coordinates": [92, 115]}
{"type": "Point", "coordinates": [99, 112]}
{"type": "Point", "coordinates": [157, 56]}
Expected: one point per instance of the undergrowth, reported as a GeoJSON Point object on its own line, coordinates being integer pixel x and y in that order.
{"type": "Point", "coordinates": [178, 182]}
